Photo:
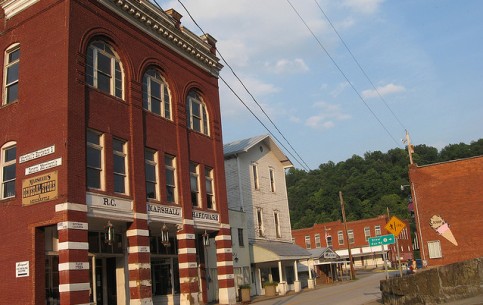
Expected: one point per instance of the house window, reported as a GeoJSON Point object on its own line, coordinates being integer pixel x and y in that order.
{"type": "Point", "coordinates": [151, 173]}
{"type": "Point", "coordinates": [317, 241]}
{"type": "Point", "coordinates": [120, 166]}
{"type": "Point", "coordinates": [278, 231]}
{"type": "Point", "coordinates": [197, 113]}
{"type": "Point", "coordinates": [170, 169]}
{"type": "Point", "coordinates": [350, 233]}
{"type": "Point", "coordinates": [272, 179]}
{"type": "Point", "coordinates": [95, 159]}
{"type": "Point", "coordinates": [255, 176]}
{"type": "Point", "coordinates": [241, 242]}
{"type": "Point", "coordinates": [12, 61]}
{"type": "Point", "coordinates": [155, 94]}
{"type": "Point", "coordinates": [8, 170]}
{"type": "Point", "coordinates": [210, 197]}
{"type": "Point", "coordinates": [328, 238]}
{"type": "Point", "coordinates": [434, 248]}
{"type": "Point", "coordinates": [307, 242]}
{"type": "Point", "coordinates": [103, 69]}
{"type": "Point", "coordinates": [377, 230]}
{"type": "Point", "coordinates": [340, 237]}
{"type": "Point", "coordinates": [260, 222]}
{"type": "Point", "coordinates": [367, 232]}
{"type": "Point", "coordinates": [194, 184]}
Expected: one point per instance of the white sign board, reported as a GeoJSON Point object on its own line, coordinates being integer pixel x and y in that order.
{"type": "Point", "coordinates": [43, 166]}
{"type": "Point", "coordinates": [22, 268]}
{"type": "Point", "coordinates": [37, 154]}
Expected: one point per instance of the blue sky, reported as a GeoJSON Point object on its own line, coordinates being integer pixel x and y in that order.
{"type": "Point", "coordinates": [424, 57]}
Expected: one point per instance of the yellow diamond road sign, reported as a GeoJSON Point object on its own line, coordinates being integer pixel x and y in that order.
{"type": "Point", "coordinates": [395, 226]}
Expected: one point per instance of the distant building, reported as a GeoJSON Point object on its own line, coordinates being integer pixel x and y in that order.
{"type": "Point", "coordinates": [111, 157]}
{"type": "Point", "coordinates": [332, 235]}
{"type": "Point", "coordinates": [448, 206]}
{"type": "Point", "coordinates": [255, 180]}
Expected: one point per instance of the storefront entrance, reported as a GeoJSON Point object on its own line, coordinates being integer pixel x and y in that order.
{"type": "Point", "coordinates": [104, 292]}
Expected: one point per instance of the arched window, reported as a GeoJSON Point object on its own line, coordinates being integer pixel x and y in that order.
{"type": "Point", "coordinates": [8, 164]}
{"type": "Point", "coordinates": [156, 94]}
{"type": "Point", "coordinates": [10, 82]}
{"type": "Point", "coordinates": [197, 114]}
{"type": "Point", "coordinates": [103, 69]}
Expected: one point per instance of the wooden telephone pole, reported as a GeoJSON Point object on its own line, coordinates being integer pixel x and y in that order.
{"type": "Point", "coordinates": [353, 273]}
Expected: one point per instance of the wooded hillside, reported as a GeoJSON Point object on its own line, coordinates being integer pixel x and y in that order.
{"type": "Point", "coordinates": [370, 184]}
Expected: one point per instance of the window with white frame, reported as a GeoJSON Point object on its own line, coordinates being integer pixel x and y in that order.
{"type": "Point", "coordinates": [119, 149]}
{"type": "Point", "coordinates": [307, 242]}
{"type": "Point", "coordinates": [377, 230]}
{"type": "Point", "coordinates": [350, 233]}
{"type": "Point", "coordinates": [197, 113]}
{"type": "Point", "coordinates": [11, 75]}
{"type": "Point", "coordinates": [103, 69]}
{"type": "Point", "coordinates": [260, 229]}
{"type": "Point", "coordinates": [317, 240]}
{"type": "Point", "coordinates": [328, 239]}
{"type": "Point", "coordinates": [367, 233]}
{"type": "Point", "coordinates": [278, 232]}
{"type": "Point", "coordinates": [151, 173]}
{"type": "Point", "coordinates": [95, 159]}
{"type": "Point", "coordinates": [272, 179]}
{"type": "Point", "coordinates": [256, 184]}
{"type": "Point", "coordinates": [194, 184]}
{"type": "Point", "coordinates": [340, 236]}
{"type": "Point", "coordinates": [170, 171]}
{"type": "Point", "coordinates": [8, 166]}
{"type": "Point", "coordinates": [156, 94]}
{"type": "Point", "coordinates": [210, 194]}
{"type": "Point", "coordinates": [434, 248]}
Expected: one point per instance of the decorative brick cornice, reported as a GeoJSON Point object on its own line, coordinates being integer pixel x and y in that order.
{"type": "Point", "coordinates": [13, 7]}
{"type": "Point", "coordinates": [166, 29]}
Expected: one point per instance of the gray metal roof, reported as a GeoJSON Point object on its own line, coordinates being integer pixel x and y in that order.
{"type": "Point", "coordinates": [283, 250]}
{"type": "Point", "coordinates": [244, 145]}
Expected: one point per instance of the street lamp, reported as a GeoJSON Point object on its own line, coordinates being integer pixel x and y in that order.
{"type": "Point", "coordinates": [109, 233]}
{"type": "Point", "coordinates": [206, 239]}
{"type": "Point", "coordinates": [165, 236]}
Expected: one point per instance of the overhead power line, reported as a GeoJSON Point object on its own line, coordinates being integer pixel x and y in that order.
{"type": "Point", "coordinates": [298, 159]}
{"type": "Point", "coordinates": [342, 72]}
{"type": "Point", "coordinates": [360, 67]}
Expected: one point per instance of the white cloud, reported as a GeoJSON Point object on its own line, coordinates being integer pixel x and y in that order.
{"type": "Point", "coordinates": [284, 66]}
{"type": "Point", "coordinates": [363, 6]}
{"type": "Point", "coordinates": [339, 89]}
{"type": "Point", "coordinates": [328, 114]}
{"type": "Point", "coordinates": [384, 90]}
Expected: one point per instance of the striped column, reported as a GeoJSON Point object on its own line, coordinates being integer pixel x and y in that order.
{"type": "Point", "coordinates": [224, 263]}
{"type": "Point", "coordinates": [188, 267]}
{"type": "Point", "coordinates": [139, 262]}
{"type": "Point", "coordinates": [74, 283]}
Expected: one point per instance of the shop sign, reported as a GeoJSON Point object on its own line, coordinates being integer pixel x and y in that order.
{"type": "Point", "coordinates": [40, 188]}
{"type": "Point", "coordinates": [205, 216]}
{"type": "Point", "coordinates": [106, 202]}
{"type": "Point", "coordinates": [163, 211]}
{"type": "Point", "coordinates": [43, 166]}
{"type": "Point", "coordinates": [330, 255]}
{"type": "Point", "coordinates": [22, 268]}
{"type": "Point", "coordinates": [37, 154]}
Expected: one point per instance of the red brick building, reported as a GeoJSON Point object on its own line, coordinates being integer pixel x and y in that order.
{"type": "Point", "coordinates": [111, 168]}
{"type": "Point", "coordinates": [332, 234]}
{"type": "Point", "coordinates": [448, 206]}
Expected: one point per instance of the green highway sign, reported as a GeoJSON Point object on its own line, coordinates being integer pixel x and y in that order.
{"type": "Point", "coordinates": [381, 240]}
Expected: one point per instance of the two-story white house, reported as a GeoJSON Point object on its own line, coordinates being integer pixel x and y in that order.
{"type": "Point", "coordinates": [255, 181]}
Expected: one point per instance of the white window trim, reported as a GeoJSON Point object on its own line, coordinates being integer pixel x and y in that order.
{"type": "Point", "coordinates": [255, 176]}
{"type": "Point", "coordinates": [317, 241]}
{"type": "Point", "coordinates": [194, 97]}
{"type": "Point", "coordinates": [308, 244]}
{"type": "Point", "coordinates": [271, 177]}
{"type": "Point", "coordinates": [154, 163]}
{"type": "Point", "coordinates": [377, 230]}
{"type": "Point", "coordinates": [209, 178]}
{"type": "Point", "coordinates": [260, 226]}
{"type": "Point", "coordinates": [99, 147]}
{"type": "Point", "coordinates": [3, 164]}
{"type": "Point", "coordinates": [6, 66]}
{"type": "Point", "coordinates": [126, 168]}
{"type": "Point", "coordinates": [434, 249]}
{"type": "Point", "coordinates": [278, 228]}
{"type": "Point", "coordinates": [195, 175]}
{"type": "Point", "coordinates": [366, 235]}
{"type": "Point", "coordinates": [349, 233]}
{"type": "Point", "coordinates": [114, 59]}
{"type": "Point", "coordinates": [339, 235]}
{"type": "Point", "coordinates": [157, 78]}
{"type": "Point", "coordinates": [171, 167]}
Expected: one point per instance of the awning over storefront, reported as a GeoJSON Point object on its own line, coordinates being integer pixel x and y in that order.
{"type": "Point", "coordinates": [324, 255]}
{"type": "Point", "coordinates": [272, 251]}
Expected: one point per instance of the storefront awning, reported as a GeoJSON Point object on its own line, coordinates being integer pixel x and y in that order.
{"type": "Point", "coordinates": [272, 251]}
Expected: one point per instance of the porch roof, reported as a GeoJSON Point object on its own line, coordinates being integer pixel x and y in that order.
{"type": "Point", "coordinates": [271, 251]}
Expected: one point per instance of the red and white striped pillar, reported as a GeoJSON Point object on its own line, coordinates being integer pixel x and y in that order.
{"type": "Point", "coordinates": [224, 263]}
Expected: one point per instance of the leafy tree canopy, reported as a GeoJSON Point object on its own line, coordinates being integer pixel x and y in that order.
{"type": "Point", "coordinates": [370, 184]}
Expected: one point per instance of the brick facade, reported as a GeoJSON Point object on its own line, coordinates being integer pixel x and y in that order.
{"type": "Point", "coordinates": [362, 253]}
{"type": "Point", "coordinates": [452, 191]}
{"type": "Point", "coordinates": [64, 235]}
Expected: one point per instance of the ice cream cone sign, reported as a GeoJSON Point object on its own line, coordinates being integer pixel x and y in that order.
{"type": "Point", "coordinates": [442, 228]}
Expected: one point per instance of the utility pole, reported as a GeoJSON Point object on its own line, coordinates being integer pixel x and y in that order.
{"type": "Point", "coordinates": [353, 274]}
{"type": "Point", "coordinates": [410, 147]}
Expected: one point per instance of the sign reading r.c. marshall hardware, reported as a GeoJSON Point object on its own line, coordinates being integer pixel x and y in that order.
{"type": "Point", "coordinates": [40, 188]}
